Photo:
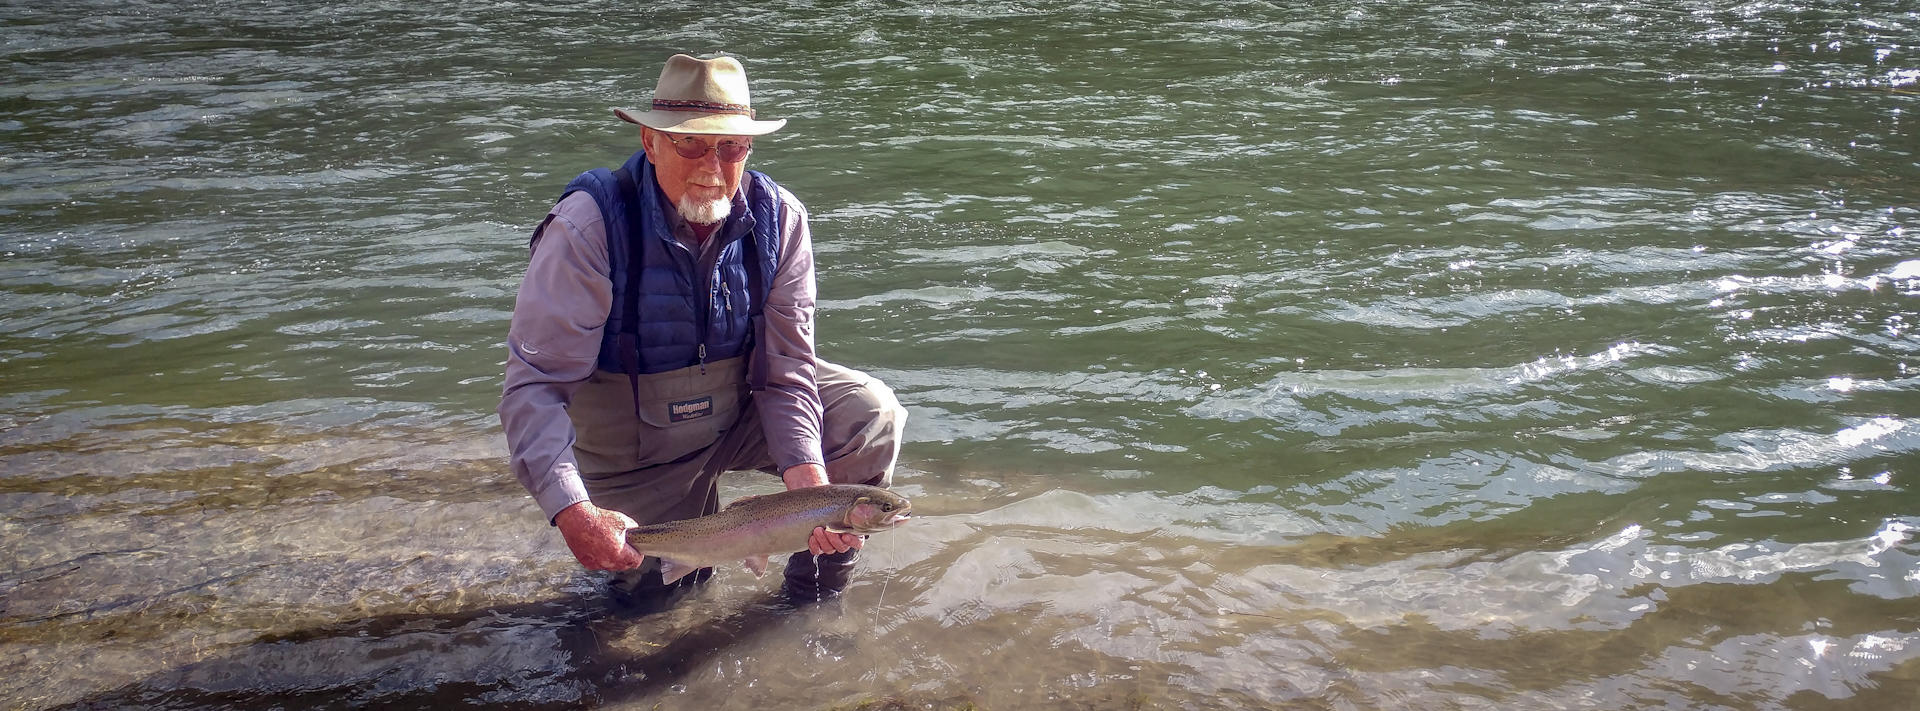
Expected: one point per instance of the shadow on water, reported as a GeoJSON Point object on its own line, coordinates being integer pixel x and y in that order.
{"type": "Point", "coordinates": [580, 650]}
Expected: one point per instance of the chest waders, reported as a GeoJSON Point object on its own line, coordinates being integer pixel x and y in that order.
{"type": "Point", "coordinates": [628, 422]}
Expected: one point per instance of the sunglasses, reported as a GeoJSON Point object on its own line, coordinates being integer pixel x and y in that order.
{"type": "Point", "coordinates": [694, 149]}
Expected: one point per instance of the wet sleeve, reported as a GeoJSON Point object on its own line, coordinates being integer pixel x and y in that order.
{"type": "Point", "coordinates": [790, 407]}
{"type": "Point", "coordinates": [552, 347]}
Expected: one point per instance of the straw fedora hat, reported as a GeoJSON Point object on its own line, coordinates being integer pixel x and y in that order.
{"type": "Point", "coordinates": [702, 96]}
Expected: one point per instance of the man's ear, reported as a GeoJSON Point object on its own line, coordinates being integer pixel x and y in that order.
{"type": "Point", "coordinates": [646, 142]}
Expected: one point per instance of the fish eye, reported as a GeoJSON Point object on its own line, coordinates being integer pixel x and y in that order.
{"type": "Point", "coordinates": [886, 507]}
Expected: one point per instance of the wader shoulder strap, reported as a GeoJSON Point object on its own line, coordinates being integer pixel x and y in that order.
{"type": "Point", "coordinates": [757, 287]}
{"type": "Point", "coordinates": [627, 341]}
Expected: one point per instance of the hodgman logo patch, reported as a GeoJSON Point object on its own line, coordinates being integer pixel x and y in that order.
{"type": "Point", "coordinates": [689, 409]}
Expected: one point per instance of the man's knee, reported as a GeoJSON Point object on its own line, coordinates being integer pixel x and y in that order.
{"type": "Point", "coordinates": [889, 415]}
{"type": "Point", "coordinates": [863, 404]}
{"type": "Point", "coordinates": [864, 429]}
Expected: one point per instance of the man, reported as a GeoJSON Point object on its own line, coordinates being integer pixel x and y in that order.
{"type": "Point", "coordinates": [663, 334]}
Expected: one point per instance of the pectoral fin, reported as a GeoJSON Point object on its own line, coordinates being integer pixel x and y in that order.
{"type": "Point", "coordinates": [671, 571]}
{"type": "Point", "coordinates": [757, 564]}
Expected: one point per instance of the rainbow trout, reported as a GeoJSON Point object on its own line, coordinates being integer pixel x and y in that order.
{"type": "Point", "coordinates": [754, 527]}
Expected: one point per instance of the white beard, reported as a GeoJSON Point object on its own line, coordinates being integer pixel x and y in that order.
{"type": "Point", "coordinates": [704, 212]}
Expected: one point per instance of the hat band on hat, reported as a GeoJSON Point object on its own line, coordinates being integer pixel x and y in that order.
{"type": "Point", "coordinates": [710, 107]}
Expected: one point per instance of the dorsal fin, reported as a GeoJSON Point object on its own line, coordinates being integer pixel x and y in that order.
{"type": "Point", "coordinates": [742, 500]}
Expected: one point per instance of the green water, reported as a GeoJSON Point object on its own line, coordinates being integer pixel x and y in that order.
{"type": "Point", "coordinates": [1348, 355]}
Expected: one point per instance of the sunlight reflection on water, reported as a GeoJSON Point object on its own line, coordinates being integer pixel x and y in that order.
{"type": "Point", "coordinates": [1405, 355]}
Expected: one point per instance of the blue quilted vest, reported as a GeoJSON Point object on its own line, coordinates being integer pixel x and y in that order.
{"type": "Point", "coordinates": [669, 312]}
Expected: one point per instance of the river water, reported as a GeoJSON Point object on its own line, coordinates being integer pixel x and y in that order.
{"type": "Point", "coordinates": [1334, 355]}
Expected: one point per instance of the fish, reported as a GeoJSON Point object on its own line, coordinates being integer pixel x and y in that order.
{"type": "Point", "coordinates": [754, 527]}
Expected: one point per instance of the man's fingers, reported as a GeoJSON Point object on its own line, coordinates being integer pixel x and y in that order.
{"type": "Point", "coordinates": [834, 544]}
{"type": "Point", "coordinates": [623, 558]}
{"type": "Point", "coordinates": [817, 541]}
{"type": "Point", "coordinates": [617, 555]}
{"type": "Point", "coordinates": [822, 542]}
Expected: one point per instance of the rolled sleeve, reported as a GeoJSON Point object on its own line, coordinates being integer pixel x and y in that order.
{"type": "Point", "coordinates": [553, 346]}
{"type": "Point", "coordinates": [789, 408]}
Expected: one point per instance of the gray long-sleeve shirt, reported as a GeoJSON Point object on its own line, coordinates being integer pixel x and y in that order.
{"type": "Point", "coordinates": [554, 345]}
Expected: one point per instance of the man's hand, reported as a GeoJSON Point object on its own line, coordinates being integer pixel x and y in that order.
{"type": "Point", "coordinates": [598, 537]}
{"type": "Point", "coordinates": [822, 542]}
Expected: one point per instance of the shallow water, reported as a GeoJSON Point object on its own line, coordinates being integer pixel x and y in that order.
{"type": "Point", "coordinates": [1362, 355]}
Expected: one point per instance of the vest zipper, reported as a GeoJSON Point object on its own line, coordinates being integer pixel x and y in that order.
{"type": "Point", "coordinates": [705, 320]}
{"type": "Point", "coordinates": [707, 270]}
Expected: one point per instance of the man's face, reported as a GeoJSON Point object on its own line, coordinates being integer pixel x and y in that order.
{"type": "Point", "coordinates": [700, 187]}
